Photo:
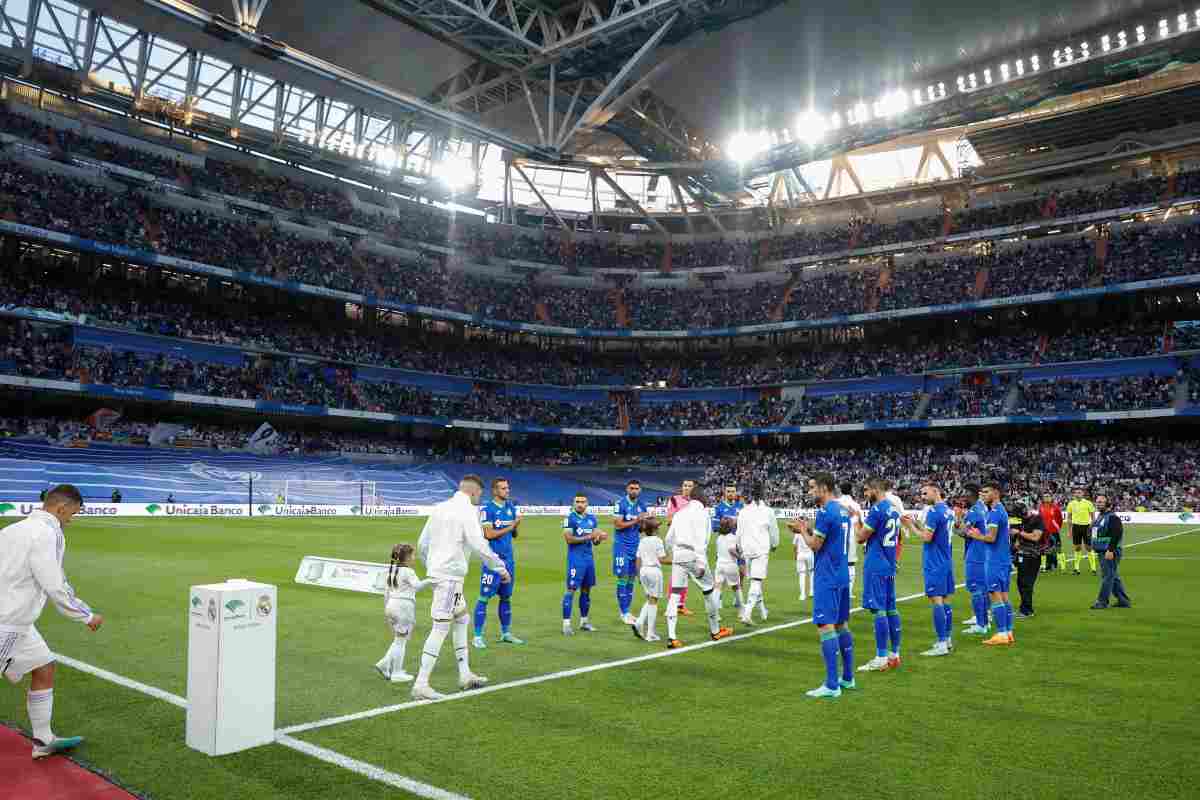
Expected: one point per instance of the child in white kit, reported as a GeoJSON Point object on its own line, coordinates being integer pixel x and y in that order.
{"type": "Point", "coordinates": [651, 554]}
{"type": "Point", "coordinates": [728, 572]}
{"type": "Point", "coordinates": [804, 565]}
{"type": "Point", "coordinates": [400, 609]}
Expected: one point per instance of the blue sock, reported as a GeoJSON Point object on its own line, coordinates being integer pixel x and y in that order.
{"type": "Point", "coordinates": [585, 603]}
{"type": "Point", "coordinates": [846, 646]}
{"type": "Point", "coordinates": [998, 615]}
{"type": "Point", "coordinates": [939, 623]}
{"type": "Point", "coordinates": [505, 614]}
{"type": "Point", "coordinates": [568, 601]}
{"type": "Point", "coordinates": [948, 610]}
{"type": "Point", "coordinates": [625, 595]}
{"type": "Point", "coordinates": [480, 616]}
{"type": "Point", "coordinates": [1008, 616]}
{"type": "Point", "coordinates": [980, 601]}
{"type": "Point", "coordinates": [829, 651]}
{"type": "Point", "coordinates": [881, 634]}
{"type": "Point", "coordinates": [893, 622]}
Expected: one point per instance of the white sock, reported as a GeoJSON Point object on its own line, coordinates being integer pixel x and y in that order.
{"type": "Point", "coordinates": [461, 650]}
{"type": "Point", "coordinates": [755, 597]}
{"type": "Point", "coordinates": [40, 704]}
{"type": "Point", "coordinates": [396, 652]}
{"type": "Point", "coordinates": [714, 612]}
{"type": "Point", "coordinates": [738, 602]}
{"type": "Point", "coordinates": [803, 586]}
{"type": "Point", "coordinates": [651, 618]}
{"type": "Point", "coordinates": [672, 614]}
{"type": "Point", "coordinates": [429, 653]}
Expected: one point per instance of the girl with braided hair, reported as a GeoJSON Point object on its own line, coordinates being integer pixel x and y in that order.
{"type": "Point", "coordinates": [400, 609]}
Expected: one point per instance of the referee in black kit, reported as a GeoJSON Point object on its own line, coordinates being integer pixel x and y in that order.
{"type": "Point", "coordinates": [1108, 533]}
{"type": "Point", "coordinates": [1027, 534]}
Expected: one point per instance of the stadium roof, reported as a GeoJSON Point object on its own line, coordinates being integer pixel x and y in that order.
{"type": "Point", "coordinates": [794, 55]}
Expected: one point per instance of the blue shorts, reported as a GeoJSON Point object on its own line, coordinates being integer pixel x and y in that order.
{"type": "Point", "coordinates": [879, 592]}
{"type": "Point", "coordinates": [998, 577]}
{"type": "Point", "coordinates": [581, 575]}
{"type": "Point", "coordinates": [976, 576]}
{"type": "Point", "coordinates": [490, 585]}
{"type": "Point", "coordinates": [939, 583]}
{"type": "Point", "coordinates": [624, 561]}
{"type": "Point", "coordinates": [831, 606]}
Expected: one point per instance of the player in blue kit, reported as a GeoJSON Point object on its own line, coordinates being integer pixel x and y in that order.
{"type": "Point", "coordinates": [829, 540]}
{"type": "Point", "coordinates": [975, 555]}
{"type": "Point", "coordinates": [730, 506]}
{"type": "Point", "coordinates": [581, 534]}
{"type": "Point", "coordinates": [879, 532]}
{"type": "Point", "coordinates": [998, 541]}
{"type": "Point", "coordinates": [500, 523]}
{"type": "Point", "coordinates": [937, 564]}
{"type": "Point", "coordinates": [627, 519]}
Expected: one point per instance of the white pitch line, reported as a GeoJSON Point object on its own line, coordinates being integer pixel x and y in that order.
{"type": "Point", "coordinates": [367, 770]}
{"type": "Point", "coordinates": [321, 753]}
{"type": "Point", "coordinates": [567, 673]}
{"type": "Point", "coordinates": [1161, 538]}
{"type": "Point", "coordinates": [375, 712]}
{"type": "Point", "coordinates": [121, 680]}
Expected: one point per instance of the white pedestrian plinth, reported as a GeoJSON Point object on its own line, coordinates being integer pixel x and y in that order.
{"type": "Point", "coordinates": [231, 666]}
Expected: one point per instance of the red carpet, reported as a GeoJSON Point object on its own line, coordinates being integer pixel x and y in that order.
{"type": "Point", "coordinates": [54, 778]}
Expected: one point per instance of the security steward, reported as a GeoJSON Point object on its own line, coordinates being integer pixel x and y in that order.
{"type": "Point", "coordinates": [1108, 532]}
{"type": "Point", "coordinates": [1028, 531]}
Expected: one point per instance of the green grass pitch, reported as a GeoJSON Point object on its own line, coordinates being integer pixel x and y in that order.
{"type": "Point", "coordinates": [1087, 703]}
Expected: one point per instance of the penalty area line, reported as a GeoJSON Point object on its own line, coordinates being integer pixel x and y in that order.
{"type": "Point", "coordinates": [333, 757]}
{"type": "Point", "coordinates": [552, 676]}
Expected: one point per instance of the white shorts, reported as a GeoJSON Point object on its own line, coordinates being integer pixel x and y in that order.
{"type": "Point", "coordinates": [728, 572]}
{"type": "Point", "coordinates": [680, 572]}
{"type": "Point", "coordinates": [401, 615]}
{"type": "Point", "coordinates": [804, 564]}
{"type": "Point", "coordinates": [448, 600]}
{"type": "Point", "coordinates": [22, 653]}
{"type": "Point", "coordinates": [758, 567]}
{"type": "Point", "coordinates": [652, 581]}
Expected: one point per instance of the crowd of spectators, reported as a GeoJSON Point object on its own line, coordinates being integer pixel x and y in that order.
{"type": "Point", "coordinates": [864, 232]}
{"type": "Point", "coordinates": [1066, 396]}
{"type": "Point", "coordinates": [701, 415]}
{"type": "Point", "coordinates": [1149, 472]}
{"type": "Point", "coordinates": [132, 305]}
{"type": "Point", "coordinates": [53, 201]}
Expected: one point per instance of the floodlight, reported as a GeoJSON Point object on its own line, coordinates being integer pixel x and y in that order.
{"type": "Point", "coordinates": [744, 146]}
{"type": "Point", "coordinates": [1182, 20]}
{"type": "Point", "coordinates": [810, 127]}
{"type": "Point", "coordinates": [1035, 63]}
{"type": "Point", "coordinates": [1105, 43]}
{"type": "Point", "coordinates": [1164, 29]}
{"type": "Point", "coordinates": [1140, 30]}
{"type": "Point", "coordinates": [1004, 72]}
{"type": "Point", "coordinates": [456, 173]}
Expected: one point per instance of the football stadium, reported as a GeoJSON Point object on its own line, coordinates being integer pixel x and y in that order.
{"type": "Point", "coordinates": [463, 399]}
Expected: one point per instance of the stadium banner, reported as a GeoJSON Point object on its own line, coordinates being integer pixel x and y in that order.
{"type": "Point", "coordinates": [16, 508]}
{"type": "Point", "coordinates": [336, 573]}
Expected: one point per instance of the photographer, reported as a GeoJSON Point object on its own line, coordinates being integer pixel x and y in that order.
{"type": "Point", "coordinates": [1028, 531]}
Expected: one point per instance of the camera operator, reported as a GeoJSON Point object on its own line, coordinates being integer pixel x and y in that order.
{"type": "Point", "coordinates": [1028, 531]}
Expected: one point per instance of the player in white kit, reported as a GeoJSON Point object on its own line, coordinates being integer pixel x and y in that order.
{"type": "Point", "coordinates": [31, 572]}
{"type": "Point", "coordinates": [728, 571]}
{"type": "Point", "coordinates": [804, 565]}
{"type": "Point", "coordinates": [400, 610]}
{"type": "Point", "coordinates": [450, 532]}
{"type": "Point", "coordinates": [856, 513]}
{"type": "Point", "coordinates": [651, 555]}
{"type": "Point", "coordinates": [687, 540]}
{"type": "Point", "coordinates": [756, 538]}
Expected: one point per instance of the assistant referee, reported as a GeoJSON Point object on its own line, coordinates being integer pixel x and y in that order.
{"type": "Point", "coordinates": [1080, 513]}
